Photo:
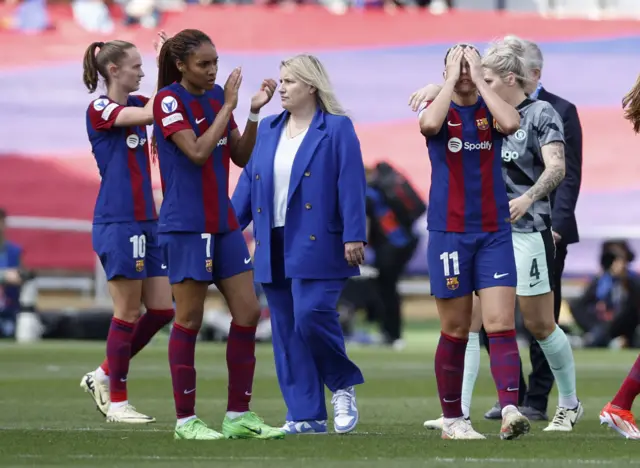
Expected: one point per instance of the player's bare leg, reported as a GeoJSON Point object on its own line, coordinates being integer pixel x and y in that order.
{"type": "Point", "coordinates": [190, 296]}
{"type": "Point", "coordinates": [471, 366]}
{"type": "Point", "coordinates": [240, 422]}
{"type": "Point", "coordinates": [114, 404]}
{"type": "Point", "coordinates": [157, 299]}
{"type": "Point", "coordinates": [537, 312]}
{"type": "Point", "coordinates": [455, 320]}
{"type": "Point", "coordinates": [617, 414]}
{"type": "Point", "coordinates": [498, 315]}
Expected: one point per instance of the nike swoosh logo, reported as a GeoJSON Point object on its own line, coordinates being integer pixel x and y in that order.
{"type": "Point", "coordinates": [533, 285]}
{"type": "Point", "coordinates": [450, 401]}
{"type": "Point", "coordinates": [501, 275]}
{"type": "Point", "coordinates": [199, 121]}
{"type": "Point", "coordinates": [186, 392]}
{"type": "Point", "coordinates": [163, 266]}
{"type": "Point", "coordinates": [255, 431]}
{"type": "Point", "coordinates": [510, 389]}
{"type": "Point", "coordinates": [453, 124]}
{"type": "Point", "coordinates": [247, 261]}
{"type": "Point", "coordinates": [123, 380]}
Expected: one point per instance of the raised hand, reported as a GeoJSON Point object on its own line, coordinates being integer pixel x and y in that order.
{"type": "Point", "coordinates": [231, 88]}
{"type": "Point", "coordinates": [159, 42]}
{"type": "Point", "coordinates": [264, 95]}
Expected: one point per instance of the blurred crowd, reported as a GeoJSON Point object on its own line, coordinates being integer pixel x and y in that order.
{"type": "Point", "coordinates": [31, 16]}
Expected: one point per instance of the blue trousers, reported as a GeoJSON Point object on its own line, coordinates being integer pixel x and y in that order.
{"type": "Point", "coordinates": [307, 338]}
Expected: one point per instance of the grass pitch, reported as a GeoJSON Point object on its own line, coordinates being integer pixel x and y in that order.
{"type": "Point", "coordinates": [46, 419]}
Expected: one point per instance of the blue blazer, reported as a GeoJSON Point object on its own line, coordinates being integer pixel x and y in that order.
{"type": "Point", "coordinates": [326, 204]}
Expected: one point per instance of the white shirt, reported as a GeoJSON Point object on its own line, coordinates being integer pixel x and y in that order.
{"type": "Point", "coordinates": [282, 165]}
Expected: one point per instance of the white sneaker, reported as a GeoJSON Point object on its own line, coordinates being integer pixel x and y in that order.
{"type": "Point", "coordinates": [99, 391]}
{"type": "Point", "coordinates": [345, 411]}
{"type": "Point", "coordinates": [128, 414]}
{"type": "Point", "coordinates": [460, 429]}
{"type": "Point", "coordinates": [565, 419]}
{"type": "Point", "coordinates": [434, 424]}
{"type": "Point", "coordinates": [514, 423]}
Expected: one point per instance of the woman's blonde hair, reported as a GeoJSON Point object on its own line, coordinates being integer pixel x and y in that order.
{"type": "Point", "coordinates": [310, 71]}
{"type": "Point", "coordinates": [508, 56]}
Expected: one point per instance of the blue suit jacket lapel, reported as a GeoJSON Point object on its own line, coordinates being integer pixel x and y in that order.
{"type": "Point", "coordinates": [307, 149]}
{"type": "Point", "coordinates": [271, 140]}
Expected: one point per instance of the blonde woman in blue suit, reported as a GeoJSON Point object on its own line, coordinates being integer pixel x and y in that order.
{"type": "Point", "coordinates": [304, 190]}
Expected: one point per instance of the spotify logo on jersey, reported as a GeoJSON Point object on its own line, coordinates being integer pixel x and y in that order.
{"type": "Point", "coordinates": [454, 145]}
{"type": "Point", "coordinates": [133, 141]}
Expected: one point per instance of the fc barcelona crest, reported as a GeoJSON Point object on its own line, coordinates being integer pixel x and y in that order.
{"type": "Point", "coordinates": [208, 264]}
{"type": "Point", "coordinates": [139, 265]}
{"type": "Point", "coordinates": [453, 283]}
{"type": "Point", "coordinates": [482, 123]}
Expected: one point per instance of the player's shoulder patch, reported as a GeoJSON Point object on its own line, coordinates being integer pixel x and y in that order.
{"type": "Point", "coordinates": [102, 109]}
{"type": "Point", "coordinates": [100, 104]}
{"type": "Point", "coordinates": [168, 101]}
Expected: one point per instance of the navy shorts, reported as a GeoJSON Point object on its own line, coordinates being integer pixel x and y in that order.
{"type": "Point", "coordinates": [461, 263]}
{"type": "Point", "coordinates": [205, 257]}
{"type": "Point", "coordinates": [129, 250]}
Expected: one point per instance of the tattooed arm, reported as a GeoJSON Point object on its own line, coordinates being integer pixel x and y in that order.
{"type": "Point", "coordinates": [554, 168]}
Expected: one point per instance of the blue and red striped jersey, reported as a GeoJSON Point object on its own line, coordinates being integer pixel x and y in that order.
{"type": "Point", "coordinates": [196, 198]}
{"type": "Point", "coordinates": [122, 155]}
{"type": "Point", "coordinates": [467, 191]}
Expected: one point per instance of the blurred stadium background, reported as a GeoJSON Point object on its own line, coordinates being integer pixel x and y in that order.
{"type": "Point", "coordinates": [377, 53]}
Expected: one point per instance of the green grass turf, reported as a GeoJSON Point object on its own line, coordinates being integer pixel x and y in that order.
{"type": "Point", "coordinates": [46, 420]}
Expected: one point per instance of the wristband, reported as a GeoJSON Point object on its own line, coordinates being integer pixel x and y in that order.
{"type": "Point", "coordinates": [253, 117]}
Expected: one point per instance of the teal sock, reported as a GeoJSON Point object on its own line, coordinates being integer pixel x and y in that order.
{"type": "Point", "coordinates": [558, 352]}
{"type": "Point", "coordinates": [471, 369]}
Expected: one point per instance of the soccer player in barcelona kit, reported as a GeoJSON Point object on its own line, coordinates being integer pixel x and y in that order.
{"type": "Point", "coordinates": [125, 221]}
{"type": "Point", "coordinates": [470, 246]}
{"type": "Point", "coordinates": [196, 140]}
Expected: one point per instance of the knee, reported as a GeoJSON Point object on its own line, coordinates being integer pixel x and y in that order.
{"type": "Point", "coordinates": [495, 323]}
{"type": "Point", "coordinates": [189, 321]}
{"type": "Point", "coordinates": [249, 315]}
{"type": "Point", "coordinates": [540, 328]}
{"type": "Point", "coordinates": [189, 316]}
{"type": "Point", "coordinates": [310, 318]}
{"type": "Point", "coordinates": [457, 326]}
{"type": "Point", "coordinates": [127, 313]}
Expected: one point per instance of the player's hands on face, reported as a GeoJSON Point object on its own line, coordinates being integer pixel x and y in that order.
{"type": "Point", "coordinates": [475, 64]}
{"type": "Point", "coordinates": [267, 89]}
{"type": "Point", "coordinates": [518, 207]}
{"type": "Point", "coordinates": [159, 42]}
{"type": "Point", "coordinates": [231, 88]}
{"type": "Point", "coordinates": [454, 61]}
{"type": "Point", "coordinates": [354, 253]}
